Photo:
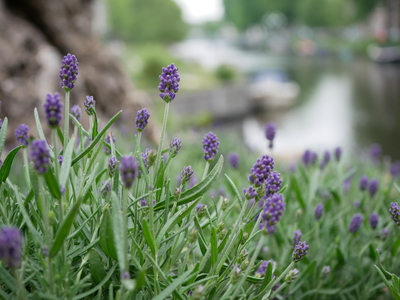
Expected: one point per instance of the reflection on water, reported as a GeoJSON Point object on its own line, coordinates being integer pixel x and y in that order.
{"type": "Point", "coordinates": [349, 104]}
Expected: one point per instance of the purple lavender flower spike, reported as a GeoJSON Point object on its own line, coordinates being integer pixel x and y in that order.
{"type": "Point", "coordinates": [89, 104]}
{"type": "Point", "coordinates": [129, 171]}
{"type": "Point", "coordinates": [175, 146]}
{"type": "Point", "coordinates": [395, 212]}
{"type": "Point", "coordinates": [325, 159]}
{"type": "Point", "coordinates": [273, 209]}
{"type": "Point", "coordinates": [108, 142]}
{"type": "Point", "coordinates": [262, 269]}
{"type": "Point", "coordinates": [338, 153]}
{"type": "Point", "coordinates": [141, 120]}
{"type": "Point", "coordinates": [346, 185]}
{"type": "Point", "coordinates": [40, 156]}
{"type": "Point", "coordinates": [53, 110]}
{"type": "Point", "coordinates": [60, 160]}
{"type": "Point", "coordinates": [1, 123]}
{"type": "Point", "coordinates": [112, 166]}
{"type": "Point", "coordinates": [169, 84]}
{"type": "Point", "coordinates": [186, 174]}
{"type": "Point", "coordinates": [233, 159]}
{"type": "Point", "coordinates": [69, 72]}
{"type": "Point", "coordinates": [10, 246]}
{"type": "Point", "coordinates": [210, 146]}
{"type": "Point", "coordinates": [355, 223]}
{"type": "Point", "coordinates": [300, 250]}
{"type": "Point", "coordinates": [357, 204]}
{"type": "Point", "coordinates": [270, 131]}
{"type": "Point", "coordinates": [364, 183]}
{"type": "Point", "coordinates": [106, 190]}
{"type": "Point", "coordinates": [76, 111]}
{"type": "Point", "coordinates": [143, 202]}
{"type": "Point", "coordinates": [373, 187]}
{"type": "Point", "coordinates": [250, 193]}
{"type": "Point", "coordinates": [375, 151]}
{"type": "Point", "coordinates": [319, 210]}
{"type": "Point", "coordinates": [261, 170]}
{"type": "Point", "coordinates": [145, 158]}
{"type": "Point", "coordinates": [309, 158]}
{"type": "Point", "coordinates": [395, 169]}
{"type": "Point", "coordinates": [297, 234]}
{"type": "Point", "coordinates": [373, 220]}
{"type": "Point", "coordinates": [273, 184]}
{"type": "Point", "coordinates": [22, 134]}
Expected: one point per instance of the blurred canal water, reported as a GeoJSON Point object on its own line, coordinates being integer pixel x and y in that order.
{"type": "Point", "coordinates": [345, 102]}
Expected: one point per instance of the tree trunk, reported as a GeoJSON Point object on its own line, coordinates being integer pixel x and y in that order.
{"type": "Point", "coordinates": [34, 36]}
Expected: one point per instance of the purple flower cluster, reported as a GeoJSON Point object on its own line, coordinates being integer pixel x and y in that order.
{"type": "Point", "coordinates": [174, 147]}
{"type": "Point", "coordinates": [89, 104]}
{"type": "Point", "coordinates": [373, 220]}
{"type": "Point", "coordinates": [373, 187]}
{"type": "Point", "coordinates": [233, 159]}
{"type": "Point", "coordinates": [325, 159]}
{"type": "Point", "coordinates": [300, 250]}
{"type": "Point", "coordinates": [128, 170]}
{"type": "Point", "coordinates": [270, 131]}
{"type": "Point", "coordinates": [21, 134]}
{"type": "Point", "coordinates": [107, 140]}
{"type": "Point", "coordinates": [69, 72]}
{"type": "Point", "coordinates": [309, 158]}
{"type": "Point", "coordinates": [297, 234]}
{"type": "Point", "coordinates": [395, 212]}
{"type": "Point", "coordinates": [186, 174]}
{"type": "Point", "coordinates": [53, 110]}
{"type": "Point", "coordinates": [106, 189]}
{"type": "Point", "coordinates": [261, 170]}
{"type": "Point", "coordinates": [40, 156]}
{"type": "Point", "coordinates": [355, 223]}
{"type": "Point", "coordinates": [141, 120]}
{"type": "Point", "coordinates": [60, 160]}
{"type": "Point", "coordinates": [319, 210]}
{"type": "Point", "coordinates": [250, 193]}
{"type": "Point", "coordinates": [112, 166]}
{"type": "Point", "coordinates": [210, 146]}
{"type": "Point", "coordinates": [76, 111]}
{"type": "Point", "coordinates": [274, 207]}
{"type": "Point", "coordinates": [337, 153]}
{"type": "Point", "coordinates": [395, 169]}
{"type": "Point", "coordinates": [375, 151]}
{"type": "Point", "coordinates": [169, 84]}
{"type": "Point", "coordinates": [272, 184]}
{"type": "Point", "coordinates": [10, 246]}
{"type": "Point", "coordinates": [145, 158]}
{"type": "Point", "coordinates": [363, 183]}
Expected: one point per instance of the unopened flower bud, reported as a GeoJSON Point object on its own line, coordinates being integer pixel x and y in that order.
{"type": "Point", "coordinates": [242, 255]}
{"type": "Point", "coordinates": [201, 210]}
{"type": "Point", "coordinates": [291, 276]}
{"type": "Point", "coordinates": [244, 238]}
{"type": "Point", "coordinates": [193, 235]}
{"type": "Point", "coordinates": [198, 293]}
{"type": "Point", "coordinates": [152, 155]}
{"type": "Point", "coordinates": [222, 234]}
{"type": "Point", "coordinates": [298, 214]}
{"type": "Point", "coordinates": [225, 203]}
{"type": "Point", "coordinates": [236, 273]}
{"type": "Point", "coordinates": [177, 194]}
{"type": "Point", "coordinates": [325, 271]}
{"type": "Point", "coordinates": [244, 264]}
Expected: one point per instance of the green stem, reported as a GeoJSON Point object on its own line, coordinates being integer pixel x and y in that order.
{"type": "Point", "coordinates": [278, 290]}
{"type": "Point", "coordinates": [66, 119]}
{"type": "Point", "coordinates": [55, 149]}
{"type": "Point", "coordinates": [206, 169]}
{"type": "Point", "coordinates": [289, 267]}
{"type": "Point", "coordinates": [26, 168]}
{"type": "Point", "coordinates": [163, 128]}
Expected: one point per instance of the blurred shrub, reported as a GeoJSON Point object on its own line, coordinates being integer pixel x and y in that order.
{"type": "Point", "coordinates": [225, 73]}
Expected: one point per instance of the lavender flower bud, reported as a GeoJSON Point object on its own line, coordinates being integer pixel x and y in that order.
{"type": "Point", "coordinates": [325, 159]}
{"type": "Point", "coordinates": [262, 269]}
{"type": "Point", "coordinates": [175, 145]}
{"type": "Point", "coordinates": [1, 122]}
{"type": "Point", "coordinates": [250, 193]}
{"type": "Point", "coordinates": [141, 120]}
{"type": "Point", "coordinates": [210, 146]}
{"type": "Point", "coordinates": [363, 183]}
{"type": "Point", "coordinates": [261, 170]}
{"type": "Point", "coordinates": [40, 156]}
{"type": "Point", "coordinates": [76, 111]}
{"type": "Point", "coordinates": [193, 234]}
{"type": "Point", "coordinates": [338, 153]}
{"type": "Point", "coordinates": [53, 110]}
{"type": "Point", "coordinates": [300, 250]}
{"type": "Point", "coordinates": [346, 185]}
{"type": "Point", "coordinates": [273, 184]}
{"type": "Point", "coordinates": [373, 220]}
{"type": "Point", "coordinates": [395, 169]}
{"type": "Point", "coordinates": [242, 256]}
{"type": "Point", "coordinates": [309, 158]}
{"type": "Point", "coordinates": [319, 210]}
{"type": "Point", "coordinates": [225, 203]}
{"type": "Point", "coordinates": [112, 166]}
{"type": "Point", "coordinates": [106, 189]}
{"type": "Point", "coordinates": [272, 213]}
{"type": "Point", "coordinates": [233, 159]}
{"type": "Point", "coordinates": [373, 187]}
{"type": "Point", "coordinates": [384, 233]}
{"type": "Point", "coordinates": [244, 238]}
{"type": "Point", "coordinates": [128, 170]}
{"type": "Point", "coordinates": [236, 273]}
{"type": "Point", "coordinates": [186, 174]}
{"type": "Point", "coordinates": [69, 72]}
{"type": "Point", "coordinates": [325, 271]}
{"type": "Point", "coordinates": [201, 210]}
{"type": "Point", "coordinates": [22, 134]}
{"type": "Point", "coordinates": [375, 151]}
{"type": "Point", "coordinates": [107, 140]}
{"type": "Point", "coordinates": [270, 131]}
{"type": "Point", "coordinates": [355, 223]}
{"type": "Point", "coordinates": [60, 160]}
{"type": "Point", "coordinates": [395, 212]}
{"type": "Point", "coordinates": [291, 276]}
{"type": "Point", "coordinates": [10, 246]}
{"type": "Point", "coordinates": [169, 84]}
{"type": "Point", "coordinates": [89, 104]}
{"type": "Point", "coordinates": [296, 237]}
{"type": "Point", "coordinates": [143, 202]}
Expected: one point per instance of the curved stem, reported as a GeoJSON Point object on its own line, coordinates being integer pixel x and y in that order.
{"type": "Point", "coordinates": [160, 145]}
{"type": "Point", "coordinates": [66, 119]}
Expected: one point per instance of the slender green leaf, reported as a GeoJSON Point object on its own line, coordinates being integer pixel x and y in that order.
{"type": "Point", "coordinates": [149, 236]}
{"type": "Point", "coordinates": [3, 134]}
{"type": "Point", "coordinates": [214, 247]}
{"type": "Point", "coordinates": [396, 246]}
{"type": "Point", "coordinates": [173, 286]}
{"type": "Point", "coordinates": [96, 267]}
{"type": "Point", "coordinates": [52, 184]}
{"type": "Point", "coordinates": [118, 229]}
{"type": "Point", "coordinates": [298, 193]}
{"type": "Point", "coordinates": [106, 234]}
{"type": "Point", "coordinates": [234, 188]}
{"type": "Point", "coordinates": [95, 125]}
{"type": "Point", "coordinates": [66, 165]}
{"type": "Point", "coordinates": [6, 167]}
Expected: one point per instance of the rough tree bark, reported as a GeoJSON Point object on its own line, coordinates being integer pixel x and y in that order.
{"type": "Point", "coordinates": [34, 36]}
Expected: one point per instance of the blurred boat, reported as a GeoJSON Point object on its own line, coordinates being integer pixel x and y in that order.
{"type": "Point", "coordinates": [384, 54]}
{"type": "Point", "coordinates": [272, 89]}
